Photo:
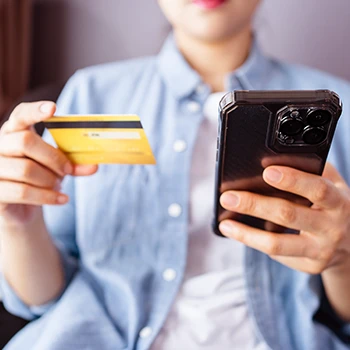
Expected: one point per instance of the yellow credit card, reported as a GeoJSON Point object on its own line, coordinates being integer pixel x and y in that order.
{"type": "Point", "coordinates": [97, 139]}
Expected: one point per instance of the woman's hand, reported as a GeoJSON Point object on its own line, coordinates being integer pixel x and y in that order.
{"type": "Point", "coordinates": [30, 169]}
{"type": "Point", "coordinates": [30, 174]}
{"type": "Point", "coordinates": [323, 245]}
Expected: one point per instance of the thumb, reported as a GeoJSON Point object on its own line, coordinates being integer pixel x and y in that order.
{"type": "Point", "coordinates": [26, 115]}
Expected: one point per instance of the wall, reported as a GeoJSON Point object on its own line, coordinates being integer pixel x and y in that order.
{"type": "Point", "coordinates": [70, 34]}
{"type": "Point", "coordinates": [312, 32]}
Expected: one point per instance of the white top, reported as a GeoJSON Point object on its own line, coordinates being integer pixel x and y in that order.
{"type": "Point", "coordinates": [210, 311]}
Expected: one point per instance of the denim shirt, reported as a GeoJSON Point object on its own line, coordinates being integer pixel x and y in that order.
{"type": "Point", "coordinates": [116, 236]}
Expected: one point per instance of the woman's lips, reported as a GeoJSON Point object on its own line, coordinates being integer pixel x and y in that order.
{"type": "Point", "coordinates": [208, 4]}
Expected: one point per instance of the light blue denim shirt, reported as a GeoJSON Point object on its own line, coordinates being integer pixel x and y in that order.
{"type": "Point", "coordinates": [117, 237]}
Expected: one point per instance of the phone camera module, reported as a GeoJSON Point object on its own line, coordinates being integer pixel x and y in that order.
{"type": "Point", "coordinates": [291, 126]}
{"type": "Point", "coordinates": [318, 117]}
{"type": "Point", "coordinates": [314, 135]}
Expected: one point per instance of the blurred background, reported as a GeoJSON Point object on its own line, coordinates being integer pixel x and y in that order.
{"type": "Point", "coordinates": [47, 40]}
{"type": "Point", "coordinates": [69, 34]}
{"type": "Point", "coordinates": [42, 43]}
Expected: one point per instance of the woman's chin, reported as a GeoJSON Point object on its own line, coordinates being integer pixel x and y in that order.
{"type": "Point", "coordinates": [212, 31]}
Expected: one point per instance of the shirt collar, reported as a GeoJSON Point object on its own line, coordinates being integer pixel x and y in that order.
{"type": "Point", "coordinates": [183, 80]}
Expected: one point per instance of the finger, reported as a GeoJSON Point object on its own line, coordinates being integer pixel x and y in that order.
{"type": "Point", "coordinates": [268, 242]}
{"type": "Point", "coordinates": [27, 114]}
{"type": "Point", "coordinates": [279, 211]}
{"type": "Point", "coordinates": [29, 144]}
{"type": "Point", "coordinates": [84, 170]}
{"type": "Point", "coordinates": [332, 174]}
{"type": "Point", "coordinates": [318, 190]}
{"type": "Point", "coordinates": [17, 193]}
{"type": "Point", "coordinates": [27, 171]}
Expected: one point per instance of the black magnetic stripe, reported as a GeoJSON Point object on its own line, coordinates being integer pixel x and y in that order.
{"type": "Point", "coordinates": [94, 125]}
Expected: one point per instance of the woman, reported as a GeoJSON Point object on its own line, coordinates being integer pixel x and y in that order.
{"type": "Point", "coordinates": [124, 257]}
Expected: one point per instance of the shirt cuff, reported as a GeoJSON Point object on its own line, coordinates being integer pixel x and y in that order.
{"type": "Point", "coordinates": [16, 306]}
{"type": "Point", "coordinates": [328, 317]}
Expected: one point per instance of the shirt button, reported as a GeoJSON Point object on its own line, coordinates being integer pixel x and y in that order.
{"type": "Point", "coordinates": [200, 89]}
{"type": "Point", "coordinates": [169, 275]}
{"type": "Point", "coordinates": [145, 332]}
{"type": "Point", "coordinates": [179, 146]}
{"type": "Point", "coordinates": [194, 107]}
{"type": "Point", "coordinates": [174, 210]}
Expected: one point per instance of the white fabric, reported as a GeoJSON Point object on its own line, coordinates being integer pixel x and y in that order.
{"type": "Point", "coordinates": [210, 311]}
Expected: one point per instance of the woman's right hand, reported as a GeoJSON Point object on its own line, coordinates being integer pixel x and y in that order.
{"type": "Point", "coordinates": [30, 169]}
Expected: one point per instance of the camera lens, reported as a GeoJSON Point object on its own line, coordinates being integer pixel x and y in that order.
{"type": "Point", "coordinates": [318, 117]}
{"type": "Point", "coordinates": [313, 136]}
{"type": "Point", "coordinates": [290, 126]}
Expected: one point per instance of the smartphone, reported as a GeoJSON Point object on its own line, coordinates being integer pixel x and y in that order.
{"type": "Point", "coordinates": [257, 129]}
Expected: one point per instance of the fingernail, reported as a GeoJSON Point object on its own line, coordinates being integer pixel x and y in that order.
{"type": "Point", "coordinates": [68, 168]}
{"type": "Point", "coordinates": [225, 228]}
{"type": "Point", "coordinates": [46, 108]}
{"type": "Point", "coordinates": [273, 175]}
{"type": "Point", "coordinates": [229, 200]}
{"type": "Point", "coordinates": [62, 199]}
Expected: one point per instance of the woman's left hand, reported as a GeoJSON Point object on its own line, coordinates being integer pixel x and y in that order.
{"type": "Point", "coordinates": [323, 245]}
{"type": "Point", "coordinates": [324, 239]}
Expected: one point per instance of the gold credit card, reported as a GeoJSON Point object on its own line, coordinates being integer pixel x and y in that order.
{"type": "Point", "coordinates": [97, 139]}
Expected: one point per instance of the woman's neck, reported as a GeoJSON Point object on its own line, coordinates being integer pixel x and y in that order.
{"type": "Point", "coordinates": [214, 60]}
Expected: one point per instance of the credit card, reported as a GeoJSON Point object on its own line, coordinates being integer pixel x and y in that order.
{"type": "Point", "coordinates": [101, 139]}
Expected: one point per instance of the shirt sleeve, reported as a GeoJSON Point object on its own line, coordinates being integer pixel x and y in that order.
{"type": "Point", "coordinates": [60, 221]}
{"type": "Point", "coordinates": [327, 316]}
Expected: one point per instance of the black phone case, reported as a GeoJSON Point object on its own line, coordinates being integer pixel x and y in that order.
{"type": "Point", "coordinates": [250, 139]}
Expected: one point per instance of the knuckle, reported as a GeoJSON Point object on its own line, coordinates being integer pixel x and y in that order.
{"type": "Point", "coordinates": [27, 170]}
{"type": "Point", "coordinates": [248, 204]}
{"type": "Point", "coordinates": [289, 181]}
{"type": "Point", "coordinates": [321, 191]}
{"type": "Point", "coordinates": [287, 214]}
{"type": "Point", "coordinates": [274, 247]}
{"type": "Point", "coordinates": [27, 140]}
{"type": "Point", "coordinates": [338, 237]}
{"type": "Point", "coordinates": [312, 252]}
{"type": "Point", "coordinates": [326, 253]}
{"type": "Point", "coordinates": [56, 157]}
{"type": "Point", "coordinates": [51, 182]}
{"type": "Point", "coordinates": [23, 192]}
{"type": "Point", "coordinates": [240, 236]}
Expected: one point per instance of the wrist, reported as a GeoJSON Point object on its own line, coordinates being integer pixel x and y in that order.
{"type": "Point", "coordinates": [14, 229]}
{"type": "Point", "coordinates": [336, 282]}
{"type": "Point", "coordinates": [21, 217]}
